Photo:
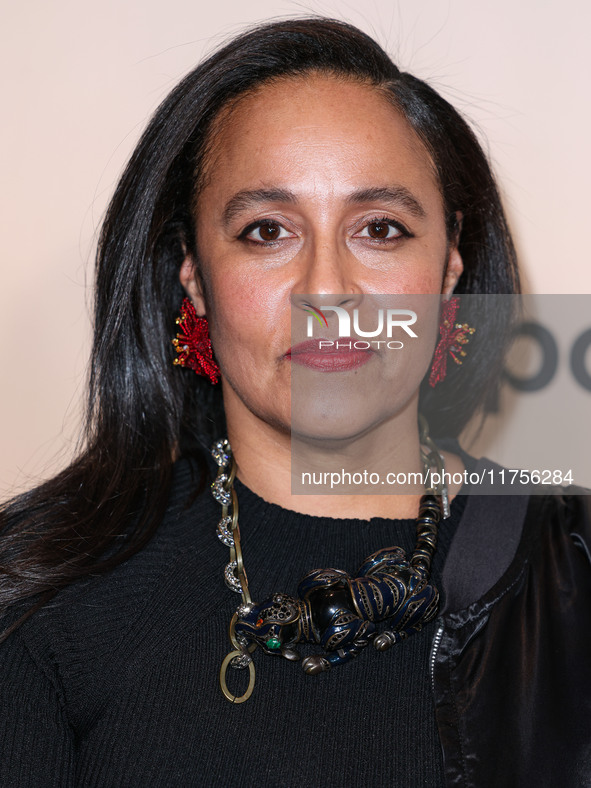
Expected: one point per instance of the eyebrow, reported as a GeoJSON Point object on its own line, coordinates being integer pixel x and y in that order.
{"type": "Point", "coordinates": [245, 199]}
{"type": "Point", "coordinates": [397, 195]}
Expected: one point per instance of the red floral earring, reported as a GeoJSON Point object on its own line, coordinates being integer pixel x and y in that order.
{"type": "Point", "coordinates": [453, 337]}
{"type": "Point", "coordinates": [193, 344]}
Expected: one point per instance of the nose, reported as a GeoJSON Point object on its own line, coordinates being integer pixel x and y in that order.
{"type": "Point", "coordinates": [327, 274]}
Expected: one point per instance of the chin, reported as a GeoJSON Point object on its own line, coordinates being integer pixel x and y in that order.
{"type": "Point", "coordinates": [337, 432]}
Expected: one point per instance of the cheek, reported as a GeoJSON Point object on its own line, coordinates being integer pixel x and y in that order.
{"type": "Point", "coordinates": [426, 282]}
{"type": "Point", "coordinates": [229, 323]}
{"type": "Point", "coordinates": [429, 280]}
{"type": "Point", "coordinates": [411, 280]}
{"type": "Point", "coordinates": [417, 269]}
{"type": "Point", "coordinates": [247, 316]}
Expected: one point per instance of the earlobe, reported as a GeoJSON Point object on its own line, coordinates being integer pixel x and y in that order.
{"type": "Point", "coordinates": [190, 280]}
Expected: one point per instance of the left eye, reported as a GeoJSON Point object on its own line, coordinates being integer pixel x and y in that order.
{"type": "Point", "coordinates": [380, 230]}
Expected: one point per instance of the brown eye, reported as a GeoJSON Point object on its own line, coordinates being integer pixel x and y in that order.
{"type": "Point", "coordinates": [269, 232]}
{"type": "Point", "coordinates": [382, 230]}
{"type": "Point", "coordinates": [378, 230]}
{"type": "Point", "coordinates": [265, 232]}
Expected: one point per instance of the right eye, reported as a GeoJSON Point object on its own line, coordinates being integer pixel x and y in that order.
{"type": "Point", "coordinates": [265, 232]}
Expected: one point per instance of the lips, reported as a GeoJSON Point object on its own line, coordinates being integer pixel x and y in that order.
{"type": "Point", "coordinates": [329, 355]}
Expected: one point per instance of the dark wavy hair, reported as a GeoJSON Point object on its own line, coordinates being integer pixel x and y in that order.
{"type": "Point", "coordinates": [142, 411]}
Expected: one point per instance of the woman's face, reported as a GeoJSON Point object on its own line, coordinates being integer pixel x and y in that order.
{"type": "Point", "coordinates": [314, 185]}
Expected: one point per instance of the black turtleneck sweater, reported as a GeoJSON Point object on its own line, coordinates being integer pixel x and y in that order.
{"type": "Point", "coordinates": [115, 683]}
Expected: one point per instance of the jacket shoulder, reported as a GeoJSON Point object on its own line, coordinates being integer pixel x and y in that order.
{"type": "Point", "coordinates": [570, 507]}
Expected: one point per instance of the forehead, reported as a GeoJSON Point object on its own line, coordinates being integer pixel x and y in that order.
{"type": "Point", "coordinates": [322, 131]}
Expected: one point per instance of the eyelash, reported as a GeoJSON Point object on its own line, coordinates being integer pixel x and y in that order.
{"type": "Point", "coordinates": [404, 233]}
{"type": "Point", "coordinates": [255, 226]}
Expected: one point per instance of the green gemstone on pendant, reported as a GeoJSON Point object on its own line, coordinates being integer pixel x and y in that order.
{"type": "Point", "coordinates": [273, 643]}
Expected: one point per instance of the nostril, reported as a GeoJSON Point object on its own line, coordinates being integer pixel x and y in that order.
{"type": "Point", "coordinates": [350, 299]}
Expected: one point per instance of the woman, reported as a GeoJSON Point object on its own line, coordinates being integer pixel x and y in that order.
{"type": "Point", "coordinates": [296, 160]}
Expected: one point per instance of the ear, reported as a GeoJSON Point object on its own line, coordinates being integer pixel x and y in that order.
{"type": "Point", "coordinates": [455, 265]}
{"type": "Point", "coordinates": [191, 281]}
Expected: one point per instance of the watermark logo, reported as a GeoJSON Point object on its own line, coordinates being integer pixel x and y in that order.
{"type": "Point", "coordinates": [387, 319]}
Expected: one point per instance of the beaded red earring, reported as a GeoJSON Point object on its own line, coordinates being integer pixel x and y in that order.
{"type": "Point", "coordinates": [453, 337]}
{"type": "Point", "coordinates": [193, 344]}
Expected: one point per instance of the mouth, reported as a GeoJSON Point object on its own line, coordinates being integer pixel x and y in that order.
{"type": "Point", "coordinates": [330, 355]}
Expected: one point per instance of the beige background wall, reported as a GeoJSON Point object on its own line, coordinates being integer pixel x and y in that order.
{"type": "Point", "coordinates": [80, 80]}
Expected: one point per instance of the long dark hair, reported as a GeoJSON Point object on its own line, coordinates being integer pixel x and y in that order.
{"type": "Point", "coordinates": [142, 411]}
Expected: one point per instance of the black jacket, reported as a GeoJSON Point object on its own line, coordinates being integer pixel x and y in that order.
{"type": "Point", "coordinates": [511, 659]}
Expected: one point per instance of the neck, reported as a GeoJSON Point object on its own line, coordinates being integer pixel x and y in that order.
{"type": "Point", "coordinates": [267, 460]}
